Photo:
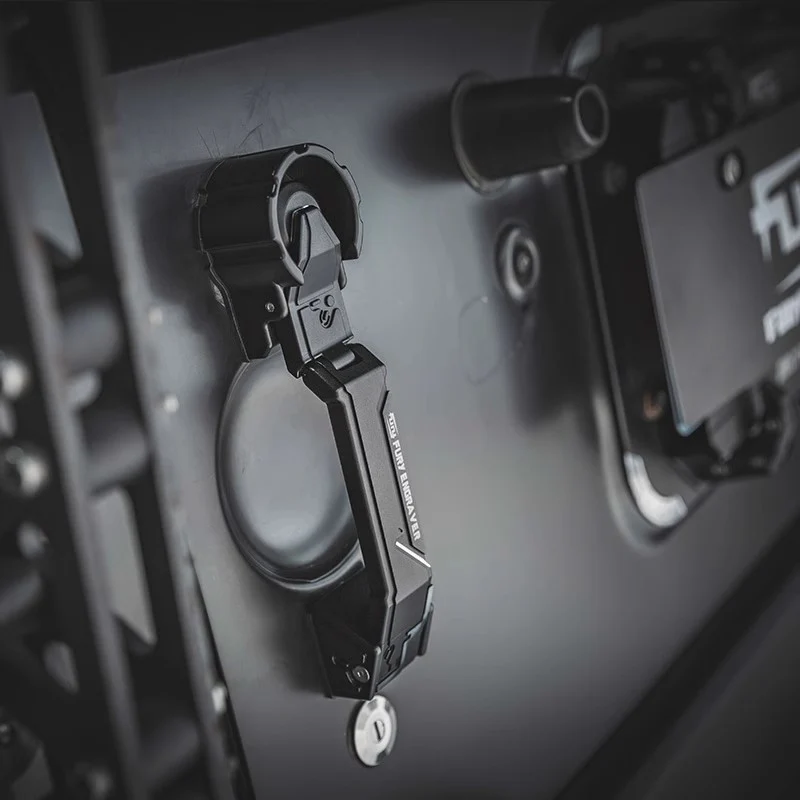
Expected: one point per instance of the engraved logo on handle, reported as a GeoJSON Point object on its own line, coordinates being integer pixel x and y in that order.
{"type": "Point", "coordinates": [401, 472]}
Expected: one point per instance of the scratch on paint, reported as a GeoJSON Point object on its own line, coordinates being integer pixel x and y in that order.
{"type": "Point", "coordinates": [257, 128]}
{"type": "Point", "coordinates": [205, 143]}
{"type": "Point", "coordinates": [254, 96]}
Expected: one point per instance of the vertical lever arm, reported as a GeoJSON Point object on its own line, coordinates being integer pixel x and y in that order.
{"type": "Point", "coordinates": [385, 625]}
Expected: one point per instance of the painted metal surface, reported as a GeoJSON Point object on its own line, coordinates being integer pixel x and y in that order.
{"type": "Point", "coordinates": [549, 624]}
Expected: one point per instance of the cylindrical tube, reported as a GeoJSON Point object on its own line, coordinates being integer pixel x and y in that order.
{"type": "Point", "coordinates": [513, 127]}
{"type": "Point", "coordinates": [91, 329]}
{"type": "Point", "coordinates": [171, 745]}
{"type": "Point", "coordinates": [117, 450]}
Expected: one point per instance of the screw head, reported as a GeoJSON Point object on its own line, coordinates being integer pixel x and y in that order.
{"type": "Point", "coordinates": [15, 377]}
{"type": "Point", "coordinates": [23, 471]}
{"type": "Point", "coordinates": [731, 169]}
{"type": "Point", "coordinates": [270, 308]}
{"type": "Point", "coordinates": [360, 674]}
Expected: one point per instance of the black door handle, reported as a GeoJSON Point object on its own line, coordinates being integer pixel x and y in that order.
{"type": "Point", "coordinates": [275, 227]}
{"type": "Point", "coordinates": [373, 625]}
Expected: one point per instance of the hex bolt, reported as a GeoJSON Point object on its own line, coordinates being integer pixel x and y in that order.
{"type": "Point", "coordinates": [23, 471]}
{"type": "Point", "coordinates": [15, 377]}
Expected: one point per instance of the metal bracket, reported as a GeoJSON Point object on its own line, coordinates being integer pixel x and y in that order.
{"type": "Point", "coordinates": [123, 717]}
{"type": "Point", "coordinates": [764, 448]}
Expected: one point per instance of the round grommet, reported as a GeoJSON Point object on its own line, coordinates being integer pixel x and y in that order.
{"type": "Point", "coordinates": [518, 263]}
{"type": "Point", "coordinates": [280, 481]}
{"type": "Point", "coordinates": [373, 731]}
